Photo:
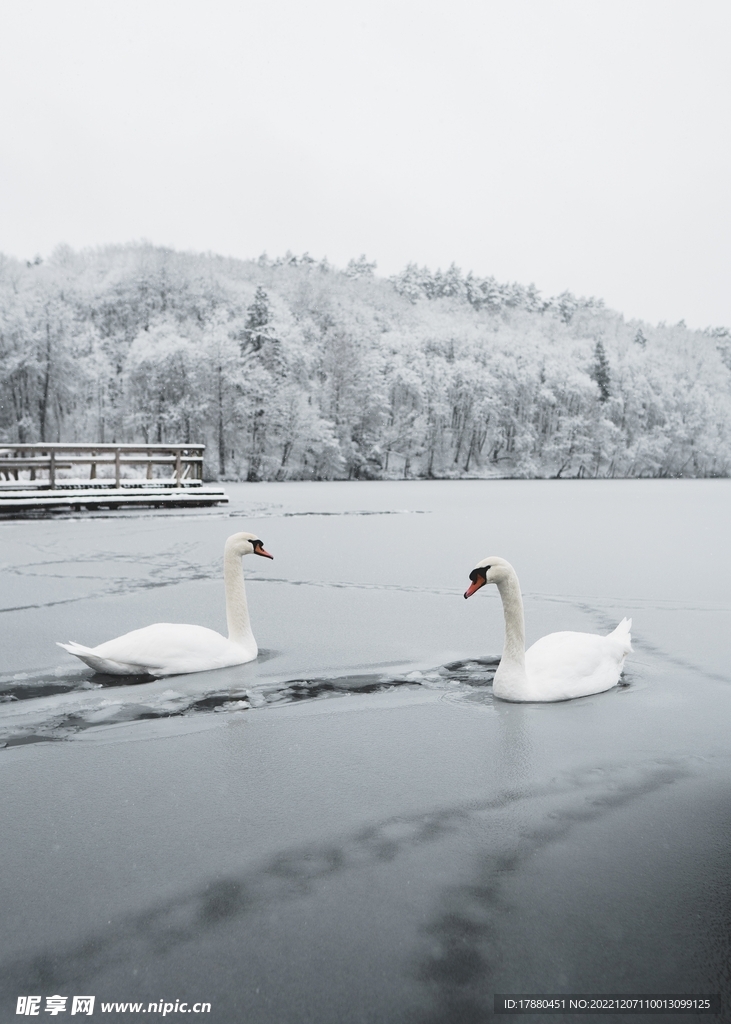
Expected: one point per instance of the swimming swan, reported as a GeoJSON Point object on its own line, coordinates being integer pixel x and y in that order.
{"type": "Point", "coordinates": [558, 666]}
{"type": "Point", "coordinates": [170, 648]}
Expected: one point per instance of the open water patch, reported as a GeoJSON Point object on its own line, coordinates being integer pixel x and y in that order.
{"type": "Point", "coordinates": [48, 707]}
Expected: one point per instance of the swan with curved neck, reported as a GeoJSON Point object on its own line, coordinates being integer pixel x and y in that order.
{"type": "Point", "coordinates": [171, 648]}
{"type": "Point", "coordinates": [559, 666]}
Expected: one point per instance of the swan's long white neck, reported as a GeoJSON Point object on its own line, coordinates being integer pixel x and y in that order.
{"type": "Point", "coordinates": [237, 609]}
{"type": "Point", "coordinates": [514, 647]}
{"type": "Point", "coordinates": [511, 670]}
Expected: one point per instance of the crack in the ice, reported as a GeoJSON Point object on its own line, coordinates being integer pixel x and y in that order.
{"type": "Point", "coordinates": [185, 512]}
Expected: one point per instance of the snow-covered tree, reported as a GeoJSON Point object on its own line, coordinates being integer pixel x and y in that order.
{"type": "Point", "coordinates": [291, 369]}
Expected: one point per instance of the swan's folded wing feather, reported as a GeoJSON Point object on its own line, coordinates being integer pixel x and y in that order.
{"type": "Point", "coordinates": [573, 664]}
{"type": "Point", "coordinates": [164, 649]}
{"type": "Point", "coordinates": [171, 648]}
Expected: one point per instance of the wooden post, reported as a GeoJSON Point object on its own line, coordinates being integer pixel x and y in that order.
{"type": "Point", "coordinates": [92, 471]}
{"type": "Point", "coordinates": [52, 468]}
{"type": "Point", "coordinates": [177, 469]}
{"type": "Point", "coordinates": [149, 464]}
{"type": "Point", "coordinates": [117, 468]}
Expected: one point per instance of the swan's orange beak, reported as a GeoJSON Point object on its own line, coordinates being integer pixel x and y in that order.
{"type": "Point", "coordinates": [475, 586]}
{"type": "Point", "coordinates": [259, 550]}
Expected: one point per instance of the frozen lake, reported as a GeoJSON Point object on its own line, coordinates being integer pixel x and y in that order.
{"type": "Point", "coordinates": [350, 829]}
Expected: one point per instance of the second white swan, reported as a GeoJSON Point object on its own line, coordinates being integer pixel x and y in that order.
{"type": "Point", "coordinates": [171, 648]}
{"type": "Point", "coordinates": [559, 666]}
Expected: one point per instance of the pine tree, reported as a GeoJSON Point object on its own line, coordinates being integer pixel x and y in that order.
{"type": "Point", "coordinates": [257, 319]}
{"type": "Point", "coordinates": [600, 371]}
{"type": "Point", "coordinates": [360, 267]}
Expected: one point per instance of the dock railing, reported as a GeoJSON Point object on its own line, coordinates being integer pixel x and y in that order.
{"type": "Point", "coordinates": [40, 464]}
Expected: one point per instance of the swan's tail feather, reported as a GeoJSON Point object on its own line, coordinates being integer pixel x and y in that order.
{"type": "Point", "coordinates": [623, 634]}
{"type": "Point", "coordinates": [73, 648]}
{"type": "Point", "coordinates": [105, 665]}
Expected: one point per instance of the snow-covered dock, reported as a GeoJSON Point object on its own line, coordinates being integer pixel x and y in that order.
{"type": "Point", "coordinates": [45, 476]}
{"type": "Point", "coordinates": [110, 497]}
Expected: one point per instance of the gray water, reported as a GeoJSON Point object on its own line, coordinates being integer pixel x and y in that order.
{"type": "Point", "coordinates": [350, 828]}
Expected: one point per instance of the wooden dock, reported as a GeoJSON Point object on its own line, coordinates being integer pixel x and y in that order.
{"type": "Point", "coordinates": [47, 476]}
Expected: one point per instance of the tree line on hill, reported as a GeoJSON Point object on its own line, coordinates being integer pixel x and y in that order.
{"type": "Point", "coordinates": [292, 369]}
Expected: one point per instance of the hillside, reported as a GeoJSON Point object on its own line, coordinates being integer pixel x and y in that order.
{"type": "Point", "coordinates": [293, 369]}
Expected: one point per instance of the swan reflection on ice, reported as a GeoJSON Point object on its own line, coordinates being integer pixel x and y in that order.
{"type": "Point", "coordinates": [559, 666]}
{"type": "Point", "coordinates": [171, 648]}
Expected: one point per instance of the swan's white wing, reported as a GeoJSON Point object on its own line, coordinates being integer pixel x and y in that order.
{"type": "Point", "coordinates": [565, 665]}
{"type": "Point", "coordinates": [166, 648]}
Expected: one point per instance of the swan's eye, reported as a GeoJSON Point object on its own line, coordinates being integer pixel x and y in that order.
{"type": "Point", "coordinates": [480, 572]}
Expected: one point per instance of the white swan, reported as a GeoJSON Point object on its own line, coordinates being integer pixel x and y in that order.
{"type": "Point", "coordinates": [558, 666]}
{"type": "Point", "coordinates": [171, 648]}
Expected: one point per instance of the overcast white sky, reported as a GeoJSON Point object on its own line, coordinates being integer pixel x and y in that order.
{"type": "Point", "coordinates": [580, 144]}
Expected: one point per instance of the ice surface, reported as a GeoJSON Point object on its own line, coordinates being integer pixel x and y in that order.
{"type": "Point", "coordinates": [407, 847]}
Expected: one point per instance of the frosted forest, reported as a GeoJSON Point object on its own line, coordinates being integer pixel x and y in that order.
{"type": "Point", "coordinates": [290, 368]}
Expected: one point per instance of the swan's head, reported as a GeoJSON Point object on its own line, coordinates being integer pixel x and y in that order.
{"type": "Point", "coordinates": [246, 544]}
{"type": "Point", "coordinates": [489, 570]}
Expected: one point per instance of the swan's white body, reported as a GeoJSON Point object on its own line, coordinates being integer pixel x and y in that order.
{"type": "Point", "coordinates": [559, 666]}
{"type": "Point", "coordinates": [171, 648]}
